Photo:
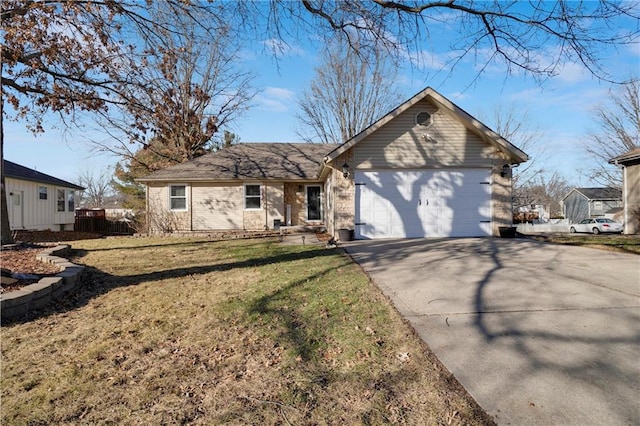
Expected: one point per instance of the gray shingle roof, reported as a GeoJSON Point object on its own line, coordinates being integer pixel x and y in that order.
{"type": "Point", "coordinates": [285, 161]}
{"type": "Point", "coordinates": [601, 193]}
{"type": "Point", "coordinates": [16, 171]}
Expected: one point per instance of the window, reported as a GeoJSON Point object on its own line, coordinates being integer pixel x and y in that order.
{"type": "Point", "coordinates": [252, 197]}
{"type": "Point", "coordinates": [423, 118]}
{"type": "Point", "coordinates": [178, 197]}
{"type": "Point", "coordinates": [61, 200]}
{"type": "Point", "coordinates": [42, 192]}
{"type": "Point", "coordinates": [71, 205]}
{"type": "Point", "coordinates": [597, 205]}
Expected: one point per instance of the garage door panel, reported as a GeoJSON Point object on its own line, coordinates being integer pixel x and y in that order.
{"type": "Point", "coordinates": [426, 203]}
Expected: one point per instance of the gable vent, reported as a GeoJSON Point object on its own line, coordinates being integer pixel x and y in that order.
{"type": "Point", "coordinates": [423, 118]}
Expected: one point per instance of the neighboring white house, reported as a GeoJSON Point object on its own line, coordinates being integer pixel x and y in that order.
{"type": "Point", "coordinates": [36, 201]}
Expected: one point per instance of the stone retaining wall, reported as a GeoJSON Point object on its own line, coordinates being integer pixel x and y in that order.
{"type": "Point", "coordinates": [17, 303]}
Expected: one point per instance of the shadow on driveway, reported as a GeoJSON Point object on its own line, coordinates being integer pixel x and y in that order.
{"type": "Point", "coordinates": [537, 333]}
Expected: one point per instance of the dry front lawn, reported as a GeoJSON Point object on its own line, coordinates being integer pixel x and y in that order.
{"type": "Point", "coordinates": [613, 242]}
{"type": "Point", "coordinates": [190, 331]}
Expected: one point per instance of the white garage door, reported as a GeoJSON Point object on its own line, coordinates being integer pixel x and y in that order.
{"type": "Point", "coordinates": [424, 203]}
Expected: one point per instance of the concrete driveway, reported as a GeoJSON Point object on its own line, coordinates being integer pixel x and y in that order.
{"type": "Point", "coordinates": [537, 333]}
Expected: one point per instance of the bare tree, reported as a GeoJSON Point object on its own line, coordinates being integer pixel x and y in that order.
{"type": "Point", "coordinates": [516, 126]}
{"type": "Point", "coordinates": [618, 132]}
{"type": "Point", "coordinates": [516, 34]}
{"type": "Point", "coordinates": [348, 93]}
{"type": "Point", "coordinates": [98, 186]}
{"type": "Point", "coordinates": [545, 189]}
{"type": "Point", "coordinates": [67, 56]}
{"type": "Point", "coordinates": [190, 87]}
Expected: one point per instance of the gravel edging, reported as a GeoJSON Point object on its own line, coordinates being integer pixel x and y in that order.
{"type": "Point", "coordinates": [18, 303]}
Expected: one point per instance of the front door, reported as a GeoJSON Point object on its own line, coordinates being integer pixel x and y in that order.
{"type": "Point", "coordinates": [314, 202]}
{"type": "Point", "coordinates": [17, 212]}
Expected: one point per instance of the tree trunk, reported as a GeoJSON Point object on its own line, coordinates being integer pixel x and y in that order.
{"type": "Point", "coordinates": [6, 236]}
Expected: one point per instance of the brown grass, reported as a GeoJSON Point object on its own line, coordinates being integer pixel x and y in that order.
{"type": "Point", "coordinates": [187, 331]}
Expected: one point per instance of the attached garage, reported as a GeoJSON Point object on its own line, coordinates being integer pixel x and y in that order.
{"type": "Point", "coordinates": [423, 203]}
{"type": "Point", "coordinates": [426, 169]}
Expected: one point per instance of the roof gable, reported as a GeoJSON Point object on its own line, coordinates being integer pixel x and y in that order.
{"type": "Point", "coordinates": [517, 156]}
{"type": "Point", "coordinates": [16, 171]}
{"type": "Point", "coordinates": [250, 161]}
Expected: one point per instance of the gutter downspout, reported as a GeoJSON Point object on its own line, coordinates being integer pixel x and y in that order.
{"type": "Point", "coordinates": [266, 209]}
{"type": "Point", "coordinates": [625, 199]}
{"type": "Point", "coordinates": [147, 209]}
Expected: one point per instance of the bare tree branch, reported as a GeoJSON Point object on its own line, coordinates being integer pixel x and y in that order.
{"type": "Point", "coordinates": [349, 92]}
{"type": "Point", "coordinates": [618, 132]}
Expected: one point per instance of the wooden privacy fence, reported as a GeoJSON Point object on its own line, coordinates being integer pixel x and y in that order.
{"type": "Point", "coordinates": [95, 221]}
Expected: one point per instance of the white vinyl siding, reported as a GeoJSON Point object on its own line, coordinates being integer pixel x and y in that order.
{"type": "Point", "coordinates": [404, 144]}
{"type": "Point", "coordinates": [38, 213]}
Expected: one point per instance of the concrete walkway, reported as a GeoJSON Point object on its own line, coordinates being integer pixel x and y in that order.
{"type": "Point", "coordinates": [539, 334]}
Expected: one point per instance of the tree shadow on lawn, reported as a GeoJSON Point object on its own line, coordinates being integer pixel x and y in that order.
{"type": "Point", "coordinates": [307, 334]}
{"type": "Point", "coordinates": [248, 241]}
{"type": "Point", "coordinates": [94, 282]}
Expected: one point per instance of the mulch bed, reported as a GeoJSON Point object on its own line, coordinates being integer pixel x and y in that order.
{"type": "Point", "coordinates": [20, 258]}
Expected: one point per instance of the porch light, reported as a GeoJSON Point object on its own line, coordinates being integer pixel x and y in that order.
{"type": "Point", "coordinates": [505, 170]}
{"type": "Point", "coordinates": [345, 170]}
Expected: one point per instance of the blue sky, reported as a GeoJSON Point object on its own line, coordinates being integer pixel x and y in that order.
{"type": "Point", "coordinates": [561, 107]}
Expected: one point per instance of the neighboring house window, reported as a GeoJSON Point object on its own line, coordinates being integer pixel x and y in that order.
{"type": "Point", "coordinates": [71, 204]}
{"type": "Point", "coordinates": [61, 200]}
{"type": "Point", "coordinates": [597, 205]}
{"type": "Point", "coordinates": [42, 192]}
{"type": "Point", "coordinates": [178, 197]}
{"type": "Point", "coordinates": [252, 197]}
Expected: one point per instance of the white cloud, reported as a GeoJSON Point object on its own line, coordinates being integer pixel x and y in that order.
{"type": "Point", "coordinates": [424, 60]}
{"type": "Point", "coordinates": [634, 48]}
{"type": "Point", "coordinates": [275, 99]}
{"type": "Point", "coordinates": [457, 96]}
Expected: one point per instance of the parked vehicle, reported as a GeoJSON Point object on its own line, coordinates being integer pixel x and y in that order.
{"type": "Point", "coordinates": [597, 226]}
